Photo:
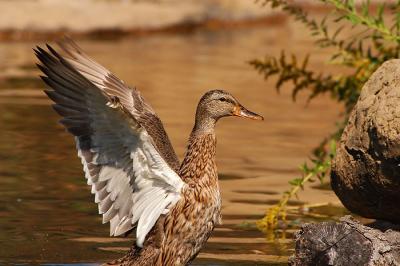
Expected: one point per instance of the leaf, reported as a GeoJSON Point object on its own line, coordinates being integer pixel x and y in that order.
{"type": "Point", "coordinates": [296, 182]}
{"type": "Point", "coordinates": [353, 18]}
{"type": "Point", "coordinates": [381, 8]}
{"type": "Point", "coordinates": [365, 8]}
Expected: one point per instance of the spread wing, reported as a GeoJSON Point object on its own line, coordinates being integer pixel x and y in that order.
{"type": "Point", "coordinates": [130, 98]}
{"type": "Point", "coordinates": [132, 182]}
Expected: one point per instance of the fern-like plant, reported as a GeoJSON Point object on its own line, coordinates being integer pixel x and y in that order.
{"type": "Point", "coordinates": [375, 38]}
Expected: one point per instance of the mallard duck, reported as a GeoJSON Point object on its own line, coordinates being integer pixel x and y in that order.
{"type": "Point", "coordinates": [128, 160]}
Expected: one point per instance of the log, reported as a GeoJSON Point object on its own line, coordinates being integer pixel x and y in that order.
{"type": "Point", "coordinates": [347, 242]}
{"type": "Point", "coordinates": [366, 172]}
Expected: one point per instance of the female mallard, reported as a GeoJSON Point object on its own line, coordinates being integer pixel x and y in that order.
{"type": "Point", "coordinates": [129, 161]}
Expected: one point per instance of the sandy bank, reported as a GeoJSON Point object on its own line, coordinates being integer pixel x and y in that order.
{"type": "Point", "coordinates": [49, 19]}
{"type": "Point", "coordinates": [24, 19]}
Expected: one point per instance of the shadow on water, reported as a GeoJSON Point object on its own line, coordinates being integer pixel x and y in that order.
{"type": "Point", "coordinates": [46, 212]}
{"type": "Point", "coordinates": [264, 192]}
{"type": "Point", "coordinates": [229, 176]}
{"type": "Point", "coordinates": [20, 82]}
{"type": "Point", "coordinates": [269, 202]}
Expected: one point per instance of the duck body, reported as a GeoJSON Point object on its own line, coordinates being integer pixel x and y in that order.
{"type": "Point", "coordinates": [130, 164]}
{"type": "Point", "coordinates": [200, 209]}
{"type": "Point", "coordinates": [178, 236]}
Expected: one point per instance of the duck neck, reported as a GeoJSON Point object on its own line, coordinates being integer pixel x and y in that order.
{"type": "Point", "coordinates": [199, 162]}
{"type": "Point", "coordinates": [204, 123]}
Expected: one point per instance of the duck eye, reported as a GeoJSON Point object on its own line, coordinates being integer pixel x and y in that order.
{"type": "Point", "coordinates": [223, 99]}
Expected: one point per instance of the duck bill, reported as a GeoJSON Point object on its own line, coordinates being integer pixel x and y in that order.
{"type": "Point", "coordinates": [243, 112]}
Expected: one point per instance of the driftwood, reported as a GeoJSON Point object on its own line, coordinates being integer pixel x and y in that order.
{"type": "Point", "coordinates": [366, 172]}
{"type": "Point", "coordinates": [347, 243]}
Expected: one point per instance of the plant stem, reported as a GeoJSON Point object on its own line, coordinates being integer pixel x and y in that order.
{"type": "Point", "coordinates": [365, 20]}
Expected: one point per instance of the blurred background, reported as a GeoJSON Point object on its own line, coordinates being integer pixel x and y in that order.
{"type": "Point", "coordinates": [173, 51]}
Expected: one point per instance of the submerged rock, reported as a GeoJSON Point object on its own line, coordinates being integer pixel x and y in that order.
{"type": "Point", "coordinates": [347, 243]}
{"type": "Point", "coordinates": [366, 172]}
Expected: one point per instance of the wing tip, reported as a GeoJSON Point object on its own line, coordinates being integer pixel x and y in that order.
{"type": "Point", "coordinates": [139, 242]}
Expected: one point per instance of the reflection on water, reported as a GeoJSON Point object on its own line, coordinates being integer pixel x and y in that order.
{"type": "Point", "coordinates": [46, 211]}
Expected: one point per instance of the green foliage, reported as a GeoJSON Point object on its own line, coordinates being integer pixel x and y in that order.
{"type": "Point", "coordinates": [362, 41]}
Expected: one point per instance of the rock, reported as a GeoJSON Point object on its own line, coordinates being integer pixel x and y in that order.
{"type": "Point", "coordinates": [347, 243]}
{"type": "Point", "coordinates": [366, 172]}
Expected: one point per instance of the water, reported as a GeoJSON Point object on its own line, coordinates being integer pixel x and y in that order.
{"type": "Point", "coordinates": [47, 215]}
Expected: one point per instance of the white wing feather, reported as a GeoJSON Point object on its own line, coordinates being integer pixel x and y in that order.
{"type": "Point", "coordinates": [132, 182]}
{"type": "Point", "coordinates": [154, 189]}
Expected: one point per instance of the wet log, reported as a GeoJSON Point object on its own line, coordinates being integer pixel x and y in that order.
{"type": "Point", "coordinates": [366, 172]}
{"type": "Point", "coordinates": [347, 243]}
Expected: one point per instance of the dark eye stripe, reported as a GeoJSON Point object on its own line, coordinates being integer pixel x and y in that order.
{"type": "Point", "coordinates": [225, 100]}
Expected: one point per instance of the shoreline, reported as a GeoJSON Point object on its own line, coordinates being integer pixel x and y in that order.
{"type": "Point", "coordinates": [12, 35]}
{"type": "Point", "coordinates": [103, 20]}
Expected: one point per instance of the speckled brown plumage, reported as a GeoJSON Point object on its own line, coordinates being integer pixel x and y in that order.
{"type": "Point", "coordinates": [129, 161]}
{"type": "Point", "coordinates": [178, 237]}
{"type": "Point", "coordinates": [156, 130]}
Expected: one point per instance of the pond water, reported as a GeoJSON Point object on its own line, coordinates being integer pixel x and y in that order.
{"type": "Point", "coordinates": [47, 214]}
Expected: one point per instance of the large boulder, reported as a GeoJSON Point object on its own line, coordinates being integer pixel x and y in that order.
{"type": "Point", "coordinates": [347, 243]}
{"type": "Point", "coordinates": [366, 172]}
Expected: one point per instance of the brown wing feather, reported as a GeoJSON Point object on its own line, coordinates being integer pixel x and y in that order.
{"type": "Point", "coordinates": [130, 98]}
{"type": "Point", "coordinates": [132, 183]}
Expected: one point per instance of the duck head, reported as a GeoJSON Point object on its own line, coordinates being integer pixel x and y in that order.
{"type": "Point", "coordinates": [216, 104]}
